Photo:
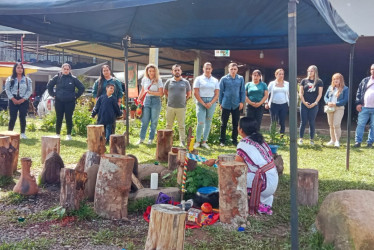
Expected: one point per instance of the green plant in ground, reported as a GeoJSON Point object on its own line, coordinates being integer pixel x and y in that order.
{"type": "Point", "coordinates": [31, 127]}
{"type": "Point", "coordinates": [200, 177]}
{"type": "Point", "coordinates": [29, 244]}
{"type": "Point", "coordinates": [275, 138]}
{"type": "Point", "coordinates": [107, 237]}
{"type": "Point", "coordinates": [49, 122]}
{"type": "Point", "coordinates": [81, 118]}
{"type": "Point", "coordinates": [170, 180]}
{"type": "Point", "coordinates": [85, 212]}
{"type": "Point", "coordinates": [5, 181]}
{"type": "Point", "coordinates": [14, 198]}
{"type": "Point", "coordinates": [139, 206]}
{"type": "Point", "coordinates": [4, 118]}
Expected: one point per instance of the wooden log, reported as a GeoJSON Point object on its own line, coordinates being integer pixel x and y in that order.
{"type": "Point", "coordinates": [52, 169]}
{"type": "Point", "coordinates": [82, 162]}
{"type": "Point", "coordinates": [307, 193]}
{"type": "Point", "coordinates": [136, 181]}
{"type": "Point", "coordinates": [91, 159]}
{"type": "Point", "coordinates": [172, 160]}
{"type": "Point", "coordinates": [113, 186]}
{"type": "Point", "coordinates": [166, 228]}
{"type": "Point", "coordinates": [233, 200]}
{"type": "Point", "coordinates": [89, 189]}
{"type": "Point", "coordinates": [226, 157]}
{"type": "Point", "coordinates": [117, 144]}
{"type": "Point", "coordinates": [14, 141]}
{"type": "Point", "coordinates": [72, 188]}
{"type": "Point", "coordinates": [7, 154]}
{"type": "Point", "coordinates": [50, 144]}
{"type": "Point", "coordinates": [191, 164]}
{"type": "Point", "coordinates": [96, 139]}
{"type": "Point", "coordinates": [278, 161]}
{"type": "Point", "coordinates": [164, 144]}
{"type": "Point", "coordinates": [26, 184]}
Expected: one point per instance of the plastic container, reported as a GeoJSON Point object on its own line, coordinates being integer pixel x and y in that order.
{"type": "Point", "coordinates": [274, 148]}
{"type": "Point", "coordinates": [207, 194]}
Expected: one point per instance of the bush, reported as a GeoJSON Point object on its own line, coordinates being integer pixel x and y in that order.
{"type": "Point", "coordinates": [200, 177]}
{"type": "Point", "coordinates": [81, 118]}
{"type": "Point", "coordinates": [31, 127]}
{"type": "Point", "coordinates": [49, 122]}
{"type": "Point", "coordinates": [4, 118]}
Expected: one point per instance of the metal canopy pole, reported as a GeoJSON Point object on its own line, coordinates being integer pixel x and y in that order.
{"type": "Point", "coordinates": [351, 56]}
{"type": "Point", "coordinates": [292, 58]}
{"type": "Point", "coordinates": [126, 42]}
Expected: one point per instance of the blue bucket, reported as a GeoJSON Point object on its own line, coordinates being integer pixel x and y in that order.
{"type": "Point", "coordinates": [274, 148]}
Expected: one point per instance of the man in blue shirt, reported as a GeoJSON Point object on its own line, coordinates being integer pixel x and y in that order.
{"type": "Point", "coordinates": [231, 99]}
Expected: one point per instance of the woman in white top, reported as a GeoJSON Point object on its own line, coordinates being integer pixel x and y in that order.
{"type": "Point", "coordinates": [153, 90]}
{"type": "Point", "coordinates": [278, 99]}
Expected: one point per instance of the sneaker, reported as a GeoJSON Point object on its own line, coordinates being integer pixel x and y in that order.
{"type": "Point", "coordinates": [68, 138]}
{"type": "Point", "coordinates": [311, 142]}
{"type": "Point", "coordinates": [357, 145]}
{"type": "Point", "coordinates": [370, 145]}
{"type": "Point", "coordinates": [196, 145]}
{"type": "Point", "coordinates": [337, 144]}
{"type": "Point", "coordinates": [150, 142]}
{"type": "Point", "coordinates": [57, 135]}
{"type": "Point", "coordinates": [139, 142]}
{"type": "Point", "coordinates": [222, 144]}
{"type": "Point", "coordinates": [23, 136]}
{"type": "Point", "coordinates": [264, 209]}
{"type": "Point", "coordinates": [182, 144]}
{"type": "Point", "coordinates": [330, 143]}
{"type": "Point", "coordinates": [205, 145]}
{"type": "Point", "coordinates": [300, 141]}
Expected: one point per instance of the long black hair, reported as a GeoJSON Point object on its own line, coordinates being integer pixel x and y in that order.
{"type": "Point", "coordinates": [102, 79]}
{"type": "Point", "coordinates": [14, 72]}
{"type": "Point", "coordinates": [249, 127]}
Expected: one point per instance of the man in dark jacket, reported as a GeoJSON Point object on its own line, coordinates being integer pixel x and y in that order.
{"type": "Point", "coordinates": [107, 109]}
{"type": "Point", "coordinates": [365, 109]}
{"type": "Point", "coordinates": [65, 97]}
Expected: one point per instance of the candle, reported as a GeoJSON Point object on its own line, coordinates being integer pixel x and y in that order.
{"type": "Point", "coordinates": [154, 181]}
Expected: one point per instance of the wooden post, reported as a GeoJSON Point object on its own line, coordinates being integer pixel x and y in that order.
{"type": "Point", "coordinates": [7, 152]}
{"type": "Point", "coordinates": [172, 160]}
{"type": "Point", "coordinates": [96, 139]}
{"type": "Point", "coordinates": [226, 157]}
{"type": "Point", "coordinates": [50, 144]}
{"type": "Point", "coordinates": [164, 144]}
{"type": "Point", "coordinates": [166, 228]}
{"type": "Point", "coordinates": [72, 188]}
{"type": "Point", "coordinates": [26, 184]}
{"type": "Point", "coordinates": [117, 144]}
{"type": "Point", "coordinates": [307, 193]}
{"type": "Point", "coordinates": [113, 186]}
{"type": "Point", "coordinates": [14, 141]}
{"type": "Point", "coordinates": [233, 200]}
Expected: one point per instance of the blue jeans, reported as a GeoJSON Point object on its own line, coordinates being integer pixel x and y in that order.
{"type": "Point", "coordinates": [308, 115]}
{"type": "Point", "coordinates": [151, 113]}
{"type": "Point", "coordinates": [363, 118]}
{"type": "Point", "coordinates": [204, 119]}
{"type": "Point", "coordinates": [108, 132]}
{"type": "Point", "coordinates": [278, 114]}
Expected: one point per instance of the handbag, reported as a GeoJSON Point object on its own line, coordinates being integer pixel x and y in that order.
{"type": "Point", "coordinates": [140, 104]}
{"type": "Point", "coordinates": [329, 109]}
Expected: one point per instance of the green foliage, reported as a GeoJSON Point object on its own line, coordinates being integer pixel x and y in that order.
{"type": "Point", "coordinates": [49, 122]}
{"type": "Point", "coordinates": [139, 206]}
{"type": "Point", "coordinates": [200, 177]}
{"type": "Point", "coordinates": [31, 127]}
{"type": "Point", "coordinates": [29, 244]}
{"type": "Point", "coordinates": [81, 118]}
{"type": "Point", "coordinates": [4, 118]}
{"type": "Point", "coordinates": [15, 198]}
{"type": "Point", "coordinates": [133, 107]}
{"type": "Point", "coordinates": [316, 242]}
{"type": "Point", "coordinates": [5, 181]}
{"type": "Point", "coordinates": [170, 180]}
{"type": "Point", "coordinates": [59, 211]}
{"type": "Point", "coordinates": [85, 212]}
{"type": "Point", "coordinates": [274, 137]}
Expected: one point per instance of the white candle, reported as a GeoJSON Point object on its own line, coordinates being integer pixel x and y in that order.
{"type": "Point", "coordinates": [154, 181]}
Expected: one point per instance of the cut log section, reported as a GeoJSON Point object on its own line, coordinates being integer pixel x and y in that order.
{"type": "Point", "coordinates": [233, 200]}
{"type": "Point", "coordinates": [52, 169]}
{"type": "Point", "coordinates": [96, 139]}
{"type": "Point", "coordinates": [72, 188]}
{"type": "Point", "coordinates": [136, 181]}
{"type": "Point", "coordinates": [113, 186]}
{"type": "Point", "coordinates": [307, 193]}
{"type": "Point", "coordinates": [166, 228]}
{"type": "Point", "coordinates": [226, 157]}
{"type": "Point", "coordinates": [172, 160]}
{"type": "Point", "coordinates": [117, 144]}
{"type": "Point", "coordinates": [14, 141]}
{"type": "Point", "coordinates": [164, 144]}
{"type": "Point", "coordinates": [7, 154]}
{"type": "Point", "coordinates": [27, 183]}
{"type": "Point", "coordinates": [50, 144]}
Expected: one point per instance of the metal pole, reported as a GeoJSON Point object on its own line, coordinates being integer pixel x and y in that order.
{"type": "Point", "coordinates": [16, 50]}
{"type": "Point", "coordinates": [126, 51]}
{"type": "Point", "coordinates": [292, 56]}
{"type": "Point", "coordinates": [351, 56]}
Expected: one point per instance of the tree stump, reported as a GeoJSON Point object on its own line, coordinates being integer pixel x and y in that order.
{"type": "Point", "coordinates": [278, 161]}
{"type": "Point", "coordinates": [191, 164]}
{"type": "Point", "coordinates": [117, 144]}
{"type": "Point", "coordinates": [7, 154]}
{"type": "Point", "coordinates": [81, 164]}
{"type": "Point", "coordinates": [172, 160]}
{"type": "Point", "coordinates": [233, 200]}
{"type": "Point", "coordinates": [113, 186]}
{"type": "Point", "coordinates": [72, 188]}
{"type": "Point", "coordinates": [164, 144]}
{"type": "Point", "coordinates": [226, 157]}
{"type": "Point", "coordinates": [51, 169]}
{"type": "Point", "coordinates": [14, 141]}
{"type": "Point", "coordinates": [50, 144]}
{"type": "Point", "coordinates": [166, 228]}
{"type": "Point", "coordinates": [307, 193]}
{"type": "Point", "coordinates": [96, 139]}
{"type": "Point", "coordinates": [91, 159]}
{"type": "Point", "coordinates": [89, 189]}
{"type": "Point", "coordinates": [26, 184]}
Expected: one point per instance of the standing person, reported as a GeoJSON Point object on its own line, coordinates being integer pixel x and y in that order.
{"type": "Point", "coordinates": [256, 94]}
{"type": "Point", "coordinates": [231, 99]}
{"type": "Point", "coordinates": [65, 97]}
{"type": "Point", "coordinates": [177, 91]}
{"type": "Point", "coordinates": [107, 109]}
{"type": "Point", "coordinates": [18, 88]}
{"type": "Point", "coordinates": [153, 90]}
{"type": "Point", "coordinates": [206, 91]}
{"type": "Point", "coordinates": [365, 109]}
{"type": "Point", "coordinates": [310, 93]}
{"type": "Point", "coordinates": [278, 100]}
{"type": "Point", "coordinates": [336, 97]}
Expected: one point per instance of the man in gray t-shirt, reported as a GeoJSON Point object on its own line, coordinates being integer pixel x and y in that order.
{"type": "Point", "coordinates": [177, 91]}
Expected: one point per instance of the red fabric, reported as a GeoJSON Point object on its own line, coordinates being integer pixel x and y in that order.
{"type": "Point", "coordinates": [147, 214]}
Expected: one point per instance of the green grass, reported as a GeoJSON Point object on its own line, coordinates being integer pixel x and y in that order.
{"type": "Point", "coordinates": [29, 244]}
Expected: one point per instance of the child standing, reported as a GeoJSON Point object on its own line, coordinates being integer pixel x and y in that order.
{"type": "Point", "coordinates": [107, 110]}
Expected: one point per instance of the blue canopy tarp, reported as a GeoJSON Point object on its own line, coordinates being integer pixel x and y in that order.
{"type": "Point", "coordinates": [183, 24]}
